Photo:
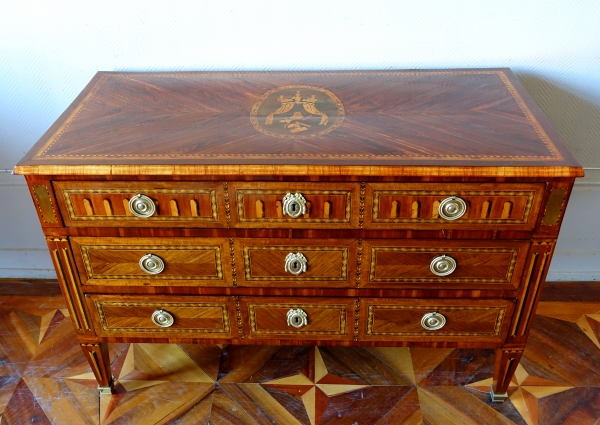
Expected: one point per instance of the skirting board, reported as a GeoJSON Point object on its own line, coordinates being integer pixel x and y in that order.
{"type": "Point", "coordinates": [26, 263]}
{"type": "Point", "coordinates": [577, 255]}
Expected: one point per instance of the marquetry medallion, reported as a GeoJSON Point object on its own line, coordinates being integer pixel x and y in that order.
{"type": "Point", "coordinates": [294, 112]}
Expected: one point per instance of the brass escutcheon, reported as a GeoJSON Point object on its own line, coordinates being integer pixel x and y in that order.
{"type": "Point", "coordinates": [294, 205]}
{"type": "Point", "coordinates": [295, 263]}
{"type": "Point", "coordinates": [297, 318]}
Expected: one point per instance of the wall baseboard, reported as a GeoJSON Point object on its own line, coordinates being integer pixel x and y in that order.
{"type": "Point", "coordinates": [26, 264]}
{"type": "Point", "coordinates": [575, 267]}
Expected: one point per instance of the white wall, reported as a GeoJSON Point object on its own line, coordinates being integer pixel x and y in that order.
{"type": "Point", "coordinates": [50, 50]}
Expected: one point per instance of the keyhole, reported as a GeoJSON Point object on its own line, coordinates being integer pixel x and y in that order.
{"type": "Point", "coordinates": [295, 266]}
{"type": "Point", "coordinates": [296, 320]}
{"type": "Point", "coordinates": [293, 207]}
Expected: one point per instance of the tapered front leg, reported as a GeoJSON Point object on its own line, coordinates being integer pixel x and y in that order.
{"type": "Point", "coordinates": [505, 366]}
{"type": "Point", "coordinates": [97, 356]}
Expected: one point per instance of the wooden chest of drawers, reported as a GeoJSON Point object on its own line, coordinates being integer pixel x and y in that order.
{"type": "Point", "coordinates": [390, 208]}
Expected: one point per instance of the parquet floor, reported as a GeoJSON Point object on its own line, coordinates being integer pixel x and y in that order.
{"type": "Point", "coordinates": [45, 379]}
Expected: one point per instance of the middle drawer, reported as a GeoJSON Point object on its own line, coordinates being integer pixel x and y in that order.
{"type": "Point", "coordinates": [153, 261]}
{"type": "Point", "coordinates": [443, 264]}
{"type": "Point", "coordinates": [296, 262]}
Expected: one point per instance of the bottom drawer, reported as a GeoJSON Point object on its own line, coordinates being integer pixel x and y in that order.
{"type": "Point", "coordinates": [434, 319]}
{"type": "Point", "coordinates": [162, 316]}
{"type": "Point", "coordinates": [298, 318]}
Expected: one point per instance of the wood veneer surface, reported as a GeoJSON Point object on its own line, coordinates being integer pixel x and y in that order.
{"type": "Point", "coordinates": [233, 123]}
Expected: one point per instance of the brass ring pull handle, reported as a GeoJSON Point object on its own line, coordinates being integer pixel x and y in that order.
{"type": "Point", "coordinates": [294, 205]}
{"type": "Point", "coordinates": [295, 263]}
{"type": "Point", "coordinates": [433, 321]}
{"type": "Point", "coordinates": [442, 265]}
{"type": "Point", "coordinates": [152, 264]}
{"type": "Point", "coordinates": [142, 206]}
{"type": "Point", "coordinates": [297, 318]}
{"type": "Point", "coordinates": [452, 208]}
{"type": "Point", "coordinates": [162, 318]}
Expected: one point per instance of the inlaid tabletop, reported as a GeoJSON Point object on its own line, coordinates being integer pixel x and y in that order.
{"type": "Point", "coordinates": [174, 121]}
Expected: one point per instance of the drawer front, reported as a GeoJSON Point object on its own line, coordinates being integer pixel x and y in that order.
{"type": "Point", "coordinates": [319, 205]}
{"type": "Point", "coordinates": [138, 261]}
{"type": "Point", "coordinates": [401, 319]}
{"type": "Point", "coordinates": [175, 204]}
{"type": "Point", "coordinates": [488, 205]}
{"type": "Point", "coordinates": [191, 317]}
{"type": "Point", "coordinates": [477, 264]}
{"type": "Point", "coordinates": [296, 262]}
{"type": "Point", "coordinates": [274, 318]}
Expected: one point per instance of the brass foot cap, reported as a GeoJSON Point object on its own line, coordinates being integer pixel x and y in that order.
{"type": "Point", "coordinates": [105, 390]}
{"type": "Point", "coordinates": [497, 398]}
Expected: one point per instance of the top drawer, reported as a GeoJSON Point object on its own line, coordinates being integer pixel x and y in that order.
{"type": "Point", "coordinates": [295, 205]}
{"type": "Point", "coordinates": [410, 205]}
{"type": "Point", "coordinates": [164, 204]}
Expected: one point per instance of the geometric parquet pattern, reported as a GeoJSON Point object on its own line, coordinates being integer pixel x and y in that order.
{"type": "Point", "coordinates": [45, 379]}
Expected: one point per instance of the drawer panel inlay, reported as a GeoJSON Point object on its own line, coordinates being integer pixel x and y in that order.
{"type": "Point", "coordinates": [325, 205]}
{"type": "Point", "coordinates": [387, 318]}
{"type": "Point", "coordinates": [407, 204]}
{"type": "Point", "coordinates": [269, 317]}
{"type": "Point", "coordinates": [306, 262]}
{"type": "Point", "coordinates": [129, 261]}
{"type": "Point", "coordinates": [394, 263]}
{"type": "Point", "coordinates": [210, 316]}
{"type": "Point", "coordinates": [110, 204]}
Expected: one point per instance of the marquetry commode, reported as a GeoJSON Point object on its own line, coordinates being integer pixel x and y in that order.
{"type": "Point", "coordinates": [396, 208]}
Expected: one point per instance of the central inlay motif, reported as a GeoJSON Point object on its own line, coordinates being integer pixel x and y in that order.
{"type": "Point", "coordinates": [297, 112]}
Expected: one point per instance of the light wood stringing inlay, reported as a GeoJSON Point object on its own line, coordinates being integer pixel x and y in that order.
{"type": "Point", "coordinates": [100, 305]}
{"type": "Point", "coordinates": [85, 253]}
{"type": "Point", "coordinates": [300, 331]}
{"type": "Point", "coordinates": [227, 207]}
{"type": "Point", "coordinates": [554, 207]}
{"type": "Point", "coordinates": [440, 309]}
{"type": "Point", "coordinates": [530, 195]}
{"type": "Point", "coordinates": [305, 250]}
{"type": "Point", "coordinates": [44, 203]}
{"type": "Point", "coordinates": [240, 193]}
{"type": "Point", "coordinates": [509, 271]}
{"type": "Point", "coordinates": [131, 192]}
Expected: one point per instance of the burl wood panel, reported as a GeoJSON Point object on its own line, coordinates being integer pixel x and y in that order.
{"type": "Point", "coordinates": [328, 205]}
{"type": "Point", "coordinates": [392, 263]}
{"type": "Point", "coordinates": [187, 261]}
{"type": "Point", "coordinates": [489, 205]}
{"type": "Point", "coordinates": [330, 263]}
{"type": "Point", "coordinates": [395, 319]}
{"type": "Point", "coordinates": [209, 317]}
{"type": "Point", "coordinates": [106, 204]}
{"type": "Point", "coordinates": [328, 318]}
{"type": "Point", "coordinates": [346, 122]}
